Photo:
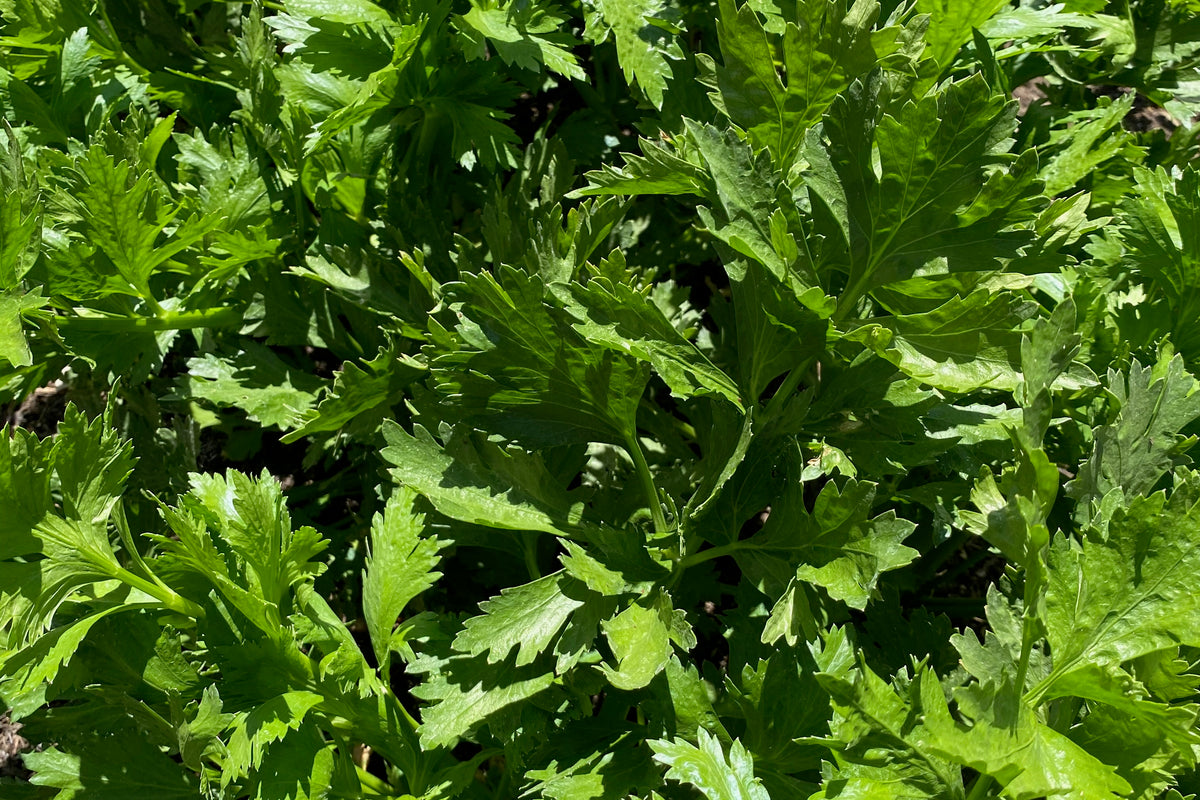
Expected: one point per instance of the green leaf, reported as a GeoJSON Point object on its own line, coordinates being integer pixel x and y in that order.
{"type": "Point", "coordinates": [963, 345]}
{"type": "Point", "coordinates": [301, 767]}
{"type": "Point", "coordinates": [466, 691]}
{"type": "Point", "coordinates": [946, 187]}
{"type": "Point", "coordinates": [235, 532]}
{"type": "Point", "coordinates": [997, 657]}
{"type": "Point", "coordinates": [626, 321]}
{"type": "Point", "coordinates": [1085, 141]}
{"type": "Point", "coordinates": [782, 702]}
{"type": "Point", "coordinates": [1133, 452]}
{"type": "Point", "coordinates": [258, 382]}
{"type": "Point", "coordinates": [400, 566]}
{"type": "Point", "coordinates": [645, 33]}
{"type": "Point", "coordinates": [1113, 599]}
{"type": "Point", "coordinates": [25, 463]}
{"type": "Point", "coordinates": [595, 759]}
{"type": "Point", "coordinates": [641, 644]}
{"type": "Point", "coordinates": [200, 734]}
{"type": "Point", "coordinates": [348, 12]}
{"type": "Point", "coordinates": [20, 217]}
{"type": "Point", "coordinates": [838, 545]}
{"type": "Point", "coordinates": [527, 35]}
{"type": "Point", "coordinates": [92, 462]}
{"type": "Point", "coordinates": [254, 732]}
{"type": "Point", "coordinates": [950, 26]}
{"type": "Point", "coordinates": [670, 167]}
{"type": "Point", "coordinates": [1116, 688]}
{"type": "Point", "coordinates": [481, 483]}
{"type": "Point", "coordinates": [706, 767]}
{"type": "Point", "coordinates": [1137, 748]}
{"type": "Point", "coordinates": [13, 347]}
{"type": "Point", "coordinates": [1046, 358]}
{"type": "Point", "coordinates": [1158, 236]}
{"type": "Point", "coordinates": [519, 369]}
{"type": "Point", "coordinates": [360, 398]}
{"type": "Point", "coordinates": [1004, 738]}
{"type": "Point", "coordinates": [112, 768]}
{"type": "Point", "coordinates": [527, 617]}
{"type": "Point", "coordinates": [825, 48]}
{"type": "Point", "coordinates": [880, 753]}
{"type": "Point", "coordinates": [27, 670]}
{"type": "Point", "coordinates": [126, 215]}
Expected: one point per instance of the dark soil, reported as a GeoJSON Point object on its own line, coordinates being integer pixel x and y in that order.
{"type": "Point", "coordinates": [12, 745]}
{"type": "Point", "coordinates": [40, 412]}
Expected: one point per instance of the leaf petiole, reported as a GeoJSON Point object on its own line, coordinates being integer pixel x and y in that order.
{"type": "Point", "coordinates": [647, 480]}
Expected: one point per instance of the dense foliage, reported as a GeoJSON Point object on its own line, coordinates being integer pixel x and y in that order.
{"type": "Point", "coordinates": [615, 399]}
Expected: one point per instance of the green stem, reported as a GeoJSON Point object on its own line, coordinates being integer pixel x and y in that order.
{"type": "Point", "coordinates": [373, 783]}
{"type": "Point", "coordinates": [529, 546]}
{"type": "Point", "coordinates": [169, 599]}
{"type": "Point", "coordinates": [853, 293]}
{"type": "Point", "coordinates": [709, 554]}
{"type": "Point", "coordinates": [167, 321]}
{"type": "Point", "coordinates": [981, 788]}
{"type": "Point", "coordinates": [647, 479]}
{"type": "Point", "coordinates": [788, 387]}
{"type": "Point", "coordinates": [1066, 711]}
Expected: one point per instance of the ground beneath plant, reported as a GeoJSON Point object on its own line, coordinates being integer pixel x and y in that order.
{"type": "Point", "coordinates": [12, 745]}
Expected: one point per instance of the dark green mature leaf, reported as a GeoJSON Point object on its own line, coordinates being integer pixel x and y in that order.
{"type": "Point", "coordinates": [113, 767]}
{"type": "Point", "coordinates": [782, 702]}
{"type": "Point", "coordinates": [626, 321]}
{"type": "Point", "coordinates": [1138, 750]}
{"type": "Point", "coordinates": [963, 345]}
{"type": "Point", "coordinates": [837, 546]}
{"type": "Point", "coordinates": [825, 47]}
{"type": "Point", "coordinates": [938, 194]}
{"type": "Point", "coordinates": [521, 370]}
{"type": "Point", "coordinates": [750, 211]}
